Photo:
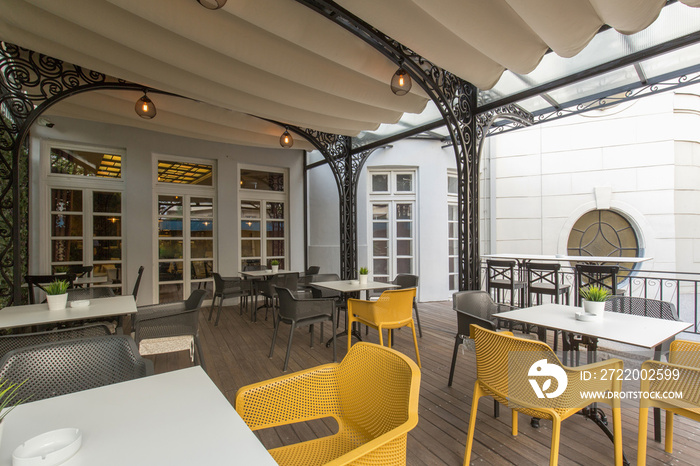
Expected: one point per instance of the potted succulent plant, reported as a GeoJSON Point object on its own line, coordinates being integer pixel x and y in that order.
{"type": "Point", "coordinates": [57, 294]}
{"type": "Point", "coordinates": [275, 264]}
{"type": "Point", "coordinates": [594, 298]}
{"type": "Point", "coordinates": [363, 275]}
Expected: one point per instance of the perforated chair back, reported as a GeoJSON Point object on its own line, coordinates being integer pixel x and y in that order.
{"type": "Point", "coordinates": [12, 342]}
{"type": "Point", "coordinates": [69, 366]}
{"type": "Point", "coordinates": [642, 307]}
{"type": "Point", "coordinates": [474, 307]}
{"type": "Point", "coordinates": [135, 292]}
{"type": "Point", "coordinates": [395, 305]}
{"type": "Point", "coordinates": [39, 281]}
{"type": "Point", "coordinates": [405, 280]}
{"type": "Point", "coordinates": [313, 270]}
{"type": "Point", "coordinates": [604, 276]}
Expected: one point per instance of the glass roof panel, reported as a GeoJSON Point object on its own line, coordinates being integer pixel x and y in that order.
{"type": "Point", "coordinates": [407, 122]}
{"type": "Point", "coordinates": [687, 58]}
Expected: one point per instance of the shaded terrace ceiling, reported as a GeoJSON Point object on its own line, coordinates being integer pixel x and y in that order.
{"type": "Point", "coordinates": [280, 60]}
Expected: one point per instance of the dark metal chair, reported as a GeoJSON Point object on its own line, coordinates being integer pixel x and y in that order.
{"type": "Point", "coordinates": [501, 277]}
{"type": "Point", "coordinates": [37, 281]}
{"type": "Point", "coordinates": [545, 279]}
{"type": "Point", "coordinates": [340, 303]}
{"type": "Point", "coordinates": [69, 366]}
{"type": "Point", "coordinates": [404, 280]}
{"type": "Point", "coordinates": [604, 276]}
{"type": "Point", "coordinates": [12, 342]}
{"type": "Point", "coordinates": [226, 287]}
{"type": "Point", "coordinates": [302, 312]}
{"type": "Point", "coordinates": [171, 321]}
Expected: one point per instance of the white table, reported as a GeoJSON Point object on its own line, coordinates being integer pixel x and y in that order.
{"type": "Point", "coordinates": [646, 332]}
{"type": "Point", "coordinates": [37, 314]}
{"type": "Point", "coordinates": [175, 418]}
{"type": "Point", "coordinates": [522, 258]}
{"type": "Point", "coordinates": [352, 286]}
{"type": "Point", "coordinates": [264, 273]}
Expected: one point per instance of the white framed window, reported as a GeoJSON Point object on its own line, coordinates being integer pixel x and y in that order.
{"type": "Point", "coordinates": [185, 212]}
{"type": "Point", "coordinates": [452, 231]}
{"type": "Point", "coordinates": [263, 216]}
{"type": "Point", "coordinates": [392, 224]}
{"type": "Point", "coordinates": [84, 210]}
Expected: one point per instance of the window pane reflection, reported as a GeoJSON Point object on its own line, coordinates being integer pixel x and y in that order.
{"type": "Point", "coordinates": [250, 248]}
{"type": "Point", "coordinates": [404, 182]}
{"type": "Point", "coordinates": [202, 228]}
{"type": "Point", "coordinates": [261, 180]}
{"type": "Point", "coordinates": [170, 206]}
{"type": "Point", "coordinates": [107, 202]}
{"type": "Point", "coordinates": [106, 250]}
{"type": "Point", "coordinates": [63, 250]}
{"type": "Point", "coordinates": [403, 229]}
{"type": "Point", "coordinates": [66, 225]}
{"type": "Point", "coordinates": [201, 269]}
{"type": "Point", "coordinates": [381, 266]}
{"type": "Point", "coordinates": [403, 247]}
{"type": "Point", "coordinates": [275, 229]}
{"type": "Point", "coordinates": [404, 265]}
{"type": "Point", "coordinates": [250, 229]}
{"type": "Point", "coordinates": [275, 248]}
{"type": "Point", "coordinates": [275, 210]}
{"type": "Point", "coordinates": [380, 248]}
{"type": "Point", "coordinates": [380, 229]}
{"type": "Point", "coordinates": [380, 183]}
{"type": "Point", "coordinates": [202, 248]}
{"type": "Point", "coordinates": [66, 200]}
{"type": "Point", "coordinates": [107, 226]}
{"type": "Point", "coordinates": [250, 209]}
{"type": "Point", "coordinates": [169, 249]}
{"type": "Point", "coordinates": [170, 271]}
{"type": "Point", "coordinates": [380, 211]}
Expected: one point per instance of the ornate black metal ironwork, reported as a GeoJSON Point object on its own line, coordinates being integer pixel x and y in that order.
{"type": "Point", "coordinates": [346, 168]}
{"type": "Point", "coordinates": [30, 83]}
{"type": "Point", "coordinates": [456, 100]}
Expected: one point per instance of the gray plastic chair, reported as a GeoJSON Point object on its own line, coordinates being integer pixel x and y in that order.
{"type": "Point", "coordinates": [69, 366]}
{"type": "Point", "coordinates": [340, 303]}
{"type": "Point", "coordinates": [644, 307]}
{"type": "Point", "coordinates": [226, 287]}
{"type": "Point", "coordinates": [12, 342]}
{"type": "Point", "coordinates": [268, 287]}
{"type": "Point", "coordinates": [405, 280]}
{"type": "Point", "coordinates": [180, 319]}
{"type": "Point", "coordinates": [302, 312]}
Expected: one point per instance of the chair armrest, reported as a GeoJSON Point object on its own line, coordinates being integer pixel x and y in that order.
{"type": "Point", "coordinates": [156, 311]}
{"type": "Point", "coordinates": [679, 379]}
{"type": "Point", "coordinates": [363, 309]}
{"type": "Point", "coordinates": [301, 396]}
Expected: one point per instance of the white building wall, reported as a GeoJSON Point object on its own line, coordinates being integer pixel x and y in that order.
{"type": "Point", "coordinates": [139, 182]}
{"type": "Point", "coordinates": [640, 158]}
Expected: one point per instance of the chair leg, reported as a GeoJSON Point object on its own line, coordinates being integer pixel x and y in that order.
{"type": "Point", "coordinates": [415, 342]}
{"type": "Point", "coordinates": [311, 331]}
{"type": "Point", "coordinates": [617, 433]}
{"type": "Point", "coordinates": [289, 346]}
{"type": "Point", "coordinates": [218, 314]}
{"type": "Point", "coordinates": [478, 393]}
{"type": "Point", "coordinates": [642, 435]}
{"type": "Point", "coordinates": [668, 445]}
{"type": "Point", "coordinates": [458, 340]}
{"type": "Point", "coordinates": [274, 337]}
{"type": "Point", "coordinates": [415, 308]}
{"type": "Point", "coordinates": [198, 353]}
{"type": "Point", "coordinates": [554, 452]}
{"type": "Point", "coordinates": [213, 303]}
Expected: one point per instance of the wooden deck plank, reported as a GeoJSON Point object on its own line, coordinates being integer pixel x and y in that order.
{"type": "Point", "coordinates": [236, 353]}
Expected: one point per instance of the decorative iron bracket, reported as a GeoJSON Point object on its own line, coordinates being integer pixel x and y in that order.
{"type": "Point", "coordinates": [30, 83]}
{"type": "Point", "coordinates": [456, 100]}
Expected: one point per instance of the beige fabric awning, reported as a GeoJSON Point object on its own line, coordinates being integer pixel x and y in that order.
{"type": "Point", "coordinates": [280, 60]}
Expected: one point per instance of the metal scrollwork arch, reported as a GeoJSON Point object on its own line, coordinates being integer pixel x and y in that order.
{"type": "Point", "coordinates": [30, 83]}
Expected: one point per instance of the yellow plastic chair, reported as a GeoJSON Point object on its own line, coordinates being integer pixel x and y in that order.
{"type": "Point", "coordinates": [372, 394]}
{"type": "Point", "coordinates": [393, 309]}
{"type": "Point", "coordinates": [508, 369]}
{"type": "Point", "coordinates": [680, 374]}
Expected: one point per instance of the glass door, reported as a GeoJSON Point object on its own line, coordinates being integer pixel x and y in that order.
{"type": "Point", "coordinates": [185, 245]}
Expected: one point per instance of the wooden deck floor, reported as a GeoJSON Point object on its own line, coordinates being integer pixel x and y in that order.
{"type": "Point", "coordinates": [236, 354]}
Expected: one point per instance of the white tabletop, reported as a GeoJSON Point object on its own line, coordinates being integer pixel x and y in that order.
{"type": "Point", "coordinates": [647, 332]}
{"type": "Point", "coordinates": [347, 286]}
{"type": "Point", "coordinates": [36, 314]}
{"type": "Point", "coordinates": [175, 418]}
{"type": "Point", "coordinates": [566, 258]}
{"type": "Point", "coordinates": [90, 280]}
{"type": "Point", "coordinates": [264, 273]}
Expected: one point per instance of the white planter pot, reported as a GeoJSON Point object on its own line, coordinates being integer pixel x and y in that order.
{"type": "Point", "coordinates": [275, 268]}
{"type": "Point", "coordinates": [57, 302]}
{"type": "Point", "coordinates": [363, 279]}
{"type": "Point", "coordinates": [596, 308]}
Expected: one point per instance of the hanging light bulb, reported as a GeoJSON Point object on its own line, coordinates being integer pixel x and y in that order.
{"type": "Point", "coordinates": [286, 139]}
{"type": "Point", "coordinates": [401, 81]}
{"type": "Point", "coordinates": [145, 108]}
{"type": "Point", "coordinates": [212, 4]}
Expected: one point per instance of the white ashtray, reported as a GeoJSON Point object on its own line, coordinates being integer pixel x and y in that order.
{"type": "Point", "coordinates": [354, 282]}
{"type": "Point", "coordinates": [49, 448]}
{"type": "Point", "coordinates": [585, 317]}
{"type": "Point", "coordinates": [80, 303]}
